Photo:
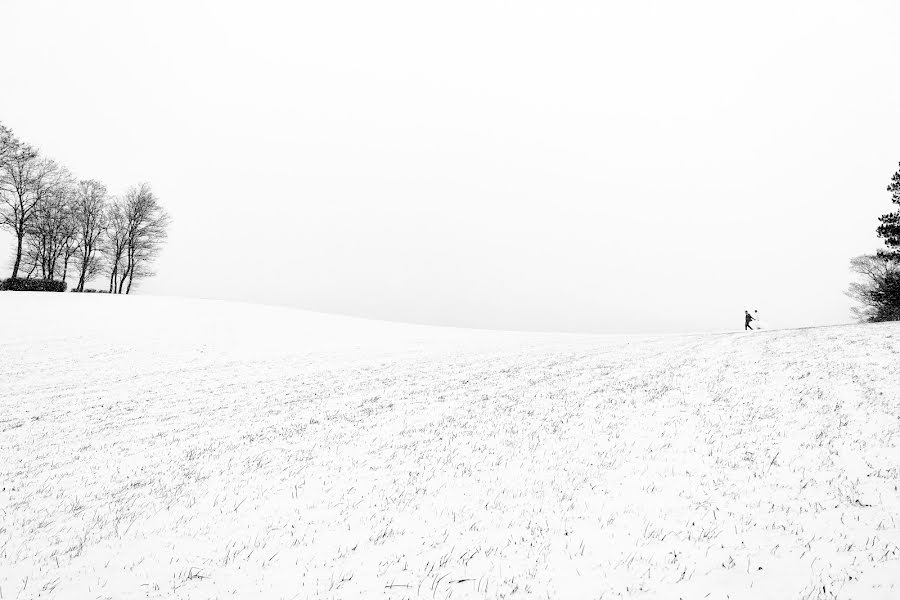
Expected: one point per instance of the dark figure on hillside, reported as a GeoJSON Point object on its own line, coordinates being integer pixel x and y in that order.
{"type": "Point", "coordinates": [747, 318]}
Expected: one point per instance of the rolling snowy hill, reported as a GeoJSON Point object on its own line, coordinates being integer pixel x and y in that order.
{"type": "Point", "coordinates": [168, 448]}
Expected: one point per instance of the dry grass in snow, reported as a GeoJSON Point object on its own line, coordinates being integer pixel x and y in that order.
{"type": "Point", "coordinates": [164, 448]}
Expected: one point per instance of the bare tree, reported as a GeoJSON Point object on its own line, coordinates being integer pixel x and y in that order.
{"type": "Point", "coordinates": [878, 290]}
{"type": "Point", "coordinates": [90, 214]}
{"type": "Point", "coordinates": [22, 175]}
{"type": "Point", "coordinates": [145, 231]}
{"type": "Point", "coordinates": [115, 238]}
{"type": "Point", "coordinates": [50, 231]}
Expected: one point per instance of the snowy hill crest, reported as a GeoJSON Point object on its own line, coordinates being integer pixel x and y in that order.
{"type": "Point", "coordinates": [160, 448]}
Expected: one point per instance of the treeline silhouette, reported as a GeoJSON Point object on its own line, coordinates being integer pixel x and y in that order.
{"type": "Point", "coordinates": [68, 227]}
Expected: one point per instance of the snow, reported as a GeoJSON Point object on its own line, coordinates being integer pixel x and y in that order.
{"type": "Point", "coordinates": [171, 448]}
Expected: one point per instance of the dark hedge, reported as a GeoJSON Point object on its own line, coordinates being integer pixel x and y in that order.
{"type": "Point", "coordinates": [32, 285]}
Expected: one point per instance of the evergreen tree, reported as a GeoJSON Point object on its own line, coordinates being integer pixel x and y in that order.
{"type": "Point", "coordinates": [889, 229]}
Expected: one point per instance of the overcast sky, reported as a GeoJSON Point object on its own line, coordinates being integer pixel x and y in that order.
{"type": "Point", "coordinates": [578, 166]}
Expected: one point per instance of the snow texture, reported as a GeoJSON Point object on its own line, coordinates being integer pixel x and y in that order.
{"type": "Point", "coordinates": [170, 448]}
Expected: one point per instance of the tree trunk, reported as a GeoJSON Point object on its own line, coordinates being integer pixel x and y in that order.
{"type": "Point", "coordinates": [83, 271]}
{"type": "Point", "coordinates": [129, 268]}
{"type": "Point", "coordinates": [16, 264]}
{"type": "Point", "coordinates": [130, 279]}
{"type": "Point", "coordinates": [122, 280]}
{"type": "Point", "coordinates": [112, 279]}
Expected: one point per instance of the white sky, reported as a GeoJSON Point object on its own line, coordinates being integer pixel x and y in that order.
{"type": "Point", "coordinates": [582, 166]}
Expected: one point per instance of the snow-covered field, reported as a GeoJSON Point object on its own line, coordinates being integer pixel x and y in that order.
{"type": "Point", "coordinates": [167, 448]}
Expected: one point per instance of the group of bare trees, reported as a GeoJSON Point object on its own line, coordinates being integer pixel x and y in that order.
{"type": "Point", "coordinates": [65, 226]}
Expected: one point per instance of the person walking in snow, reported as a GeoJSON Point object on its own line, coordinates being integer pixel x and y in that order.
{"type": "Point", "coordinates": [747, 319]}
